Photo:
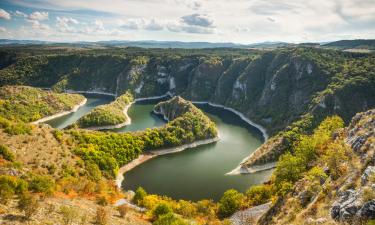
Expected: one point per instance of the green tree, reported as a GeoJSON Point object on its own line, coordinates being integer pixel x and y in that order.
{"type": "Point", "coordinates": [140, 193]}
{"type": "Point", "coordinates": [230, 203]}
{"type": "Point", "coordinates": [161, 209]}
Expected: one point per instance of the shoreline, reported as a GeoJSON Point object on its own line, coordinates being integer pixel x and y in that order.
{"type": "Point", "coordinates": [90, 92]}
{"type": "Point", "coordinates": [57, 115]}
{"type": "Point", "coordinates": [241, 115]}
{"type": "Point", "coordinates": [239, 169]}
{"type": "Point", "coordinates": [154, 153]}
{"type": "Point", "coordinates": [125, 111]}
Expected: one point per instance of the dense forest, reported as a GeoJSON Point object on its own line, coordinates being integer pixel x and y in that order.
{"type": "Point", "coordinates": [109, 114]}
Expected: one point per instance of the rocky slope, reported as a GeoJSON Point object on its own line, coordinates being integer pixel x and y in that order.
{"type": "Point", "coordinates": [347, 199]}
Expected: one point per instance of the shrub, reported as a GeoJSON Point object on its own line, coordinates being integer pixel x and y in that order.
{"type": "Point", "coordinates": [18, 128]}
{"type": "Point", "coordinates": [10, 185]}
{"type": "Point", "coordinates": [58, 135]}
{"type": "Point", "coordinates": [230, 203]}
{"type": "Point", "coordinates": [69, 214]}
{"type": "Point", "coordinates": [258, 195]}
{"type": "Point", "coordinates": [335, 156]}
{"type": "Point", "coordinates": [101, 216]}
{"type": "Point", "coordinates": [161, 209]}
{"type": "Point", "coordinates": [186, 209]}
{"type": "Point", "coordinates": [169, 219]}
{"type": "Point", "coordinates": [42, 184]}
{"type": "Point", "coordinates": [6, 153]}
{"type": "Point", "coordinates": [122, 209]}
{"type": "Point", "coordinates": [93, 171]}
{"type": "Point", "coordinates": [6, 193]}
{"type": "Point", "coordinates": [140, 193]}
{"type": "Point", "coordinates": [29, 204]}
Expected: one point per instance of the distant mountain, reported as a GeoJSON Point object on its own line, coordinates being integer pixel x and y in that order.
{"type": "Point", "coordinates": [352, 44]}
{"type": "Point", "coordinates": [149, 44]}
{"type": "Point", "coordinates": [22, 42]}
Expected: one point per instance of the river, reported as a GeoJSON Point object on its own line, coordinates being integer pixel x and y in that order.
{"type": "Point", "coordinates": [194, 174]}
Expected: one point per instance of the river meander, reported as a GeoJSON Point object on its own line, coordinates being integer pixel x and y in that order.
{"type": "Point", "coordinates": [195, 173]}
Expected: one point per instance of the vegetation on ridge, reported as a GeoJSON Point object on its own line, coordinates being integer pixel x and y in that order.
{"type": "Point", "coordinates": [109, 114]}
{"type": "Point", "coordinates": [27, 104]}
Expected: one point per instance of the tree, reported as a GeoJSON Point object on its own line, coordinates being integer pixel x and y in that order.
{"type": "Point", "coordinates": [161, 209]}
{"type": "Point", "coordinates": [230, 203]}
{"type": "Point", "coordinates": [140, 193]}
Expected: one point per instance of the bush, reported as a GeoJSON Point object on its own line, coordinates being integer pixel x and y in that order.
{"type": "Point", "coordinates": [230, 203]}
{"type": "Point", "coordinates": [169, 219]}
{"type": "Point", "coordinates": [258, 195]}
{"type": "Point", "coordinates": [42, 184]}
{"type": "Point", "coordinates": [10, 185]}
{"type": "Point", "coordinates": [69, 214]}
{"type": "Point", "coordinates": [29, 204]}
{"type": "Point", "coordinates": [18, 128]}
{"type": "Point", "coordinates": [58, 135]}
{"type": "Point", "coordinates": [101, 216]}
{"type": "Point", "coordinates": [93, 171]}
{"type": "Point", "coordinates": [6, 153]}
{"type": "Point", "coordinates": [140, 193]}
{"type": "Point", "coordinates": [122, 209]}
{"type": "Point", "coordinates": [6, 193]}
{"type": "Point", "coordinates": [161, 209]}
{"type": "Point", "coordinates": [335, 156]}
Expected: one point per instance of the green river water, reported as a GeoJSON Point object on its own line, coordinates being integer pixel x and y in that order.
{"type": "Point", "coordinates": [195, 173]}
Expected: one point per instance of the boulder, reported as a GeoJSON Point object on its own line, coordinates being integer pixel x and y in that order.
{"type": "Point", "coordinates": [369, 171]}
{"type": "Point", "coordinates": [367, 211]}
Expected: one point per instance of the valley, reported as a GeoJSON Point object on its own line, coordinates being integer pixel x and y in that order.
{"type": "Point", "coordinates": [270, 122]}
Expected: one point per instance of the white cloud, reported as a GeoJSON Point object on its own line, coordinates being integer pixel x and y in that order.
{"type": "Point", "coordinates": [20, 14]}
{"type": "Point", "coordinates": [3, 30]}
{"type": "Point", "coordinates": [64, 23]}
{"type": "Point", "coordinates": [154, 25]}
{"type": "Point", "coordinates": [197, 19]}
{"type": "Point", "coordinates": [271, 19]}
{"type": "Point", "coordinates": [40, 16]}
{"type": "Point", "coordinates": [242, 21]}
{"type": "Point", "coordinates": [4, 14]}
{"type": "Point", "coordinates": [98, 25]}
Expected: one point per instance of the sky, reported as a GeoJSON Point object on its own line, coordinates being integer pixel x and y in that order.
{"type": "Point", "coordinates": [238, 21]}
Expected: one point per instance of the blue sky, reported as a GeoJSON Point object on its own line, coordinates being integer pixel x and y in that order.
{"type": "Point", "coordinates": [240, 21]}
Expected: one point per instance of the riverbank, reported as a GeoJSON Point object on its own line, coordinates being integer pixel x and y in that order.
{"type": "Point", "coordinates": [125, 111]}
{"type": "Point", "coordinates": [239, 169]}
{"type": "Point", "coordinates": [151, 154]}
{"type": "Point", "coordinates": [241, 115]}
{"type": "Point", "coordinates": [90, 92]}
{"type": "Point", "coordinates": [74, 109]}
